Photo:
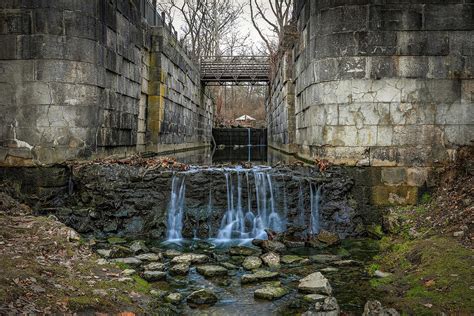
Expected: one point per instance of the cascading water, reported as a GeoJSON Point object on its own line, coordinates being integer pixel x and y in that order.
{"type": "Point", "coordinates": [254, 202]}
{"type": "Point", "coordinates": [176, 208]}
{"type": "Point", "coordinates": [315, 199]}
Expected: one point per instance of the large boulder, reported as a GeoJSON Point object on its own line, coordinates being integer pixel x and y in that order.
{"type": "Point", "coordinates": [202, 297]}
{"type": "Point", "coordinates": [315, 283]}
{"type": "Point", "coordinates": [251, 263]}
{"type": "Point", "coordinates": [210, 270]}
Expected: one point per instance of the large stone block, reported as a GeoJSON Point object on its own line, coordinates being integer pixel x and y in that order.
{"type": "Point", "coordinates": [449, 17]}
{"type": "Point", "coordinates": [394, 195]}
{"type": "Point", "coordinates": [360, 114]}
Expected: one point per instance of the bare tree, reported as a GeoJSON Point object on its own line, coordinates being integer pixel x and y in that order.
{"type": "Point", "coordinates": [205, 22]}
{"type": "Point", "coordinates": [275, 21]}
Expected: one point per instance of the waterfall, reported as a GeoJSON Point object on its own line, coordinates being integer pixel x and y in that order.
{"type": "Point", "coordinates": [254, 201]}
{"type": "Point", "coordinates": [176, 208]}
{"type": "Point", "coordinates": [315, 199]}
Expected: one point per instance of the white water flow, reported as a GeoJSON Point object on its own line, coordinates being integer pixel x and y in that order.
{"type": "Point", "coordinates": [176, 208]}
{"type": "Point", "coordinates": [255, 201]}
{"type": "Point", "coordinates": [315, 200]}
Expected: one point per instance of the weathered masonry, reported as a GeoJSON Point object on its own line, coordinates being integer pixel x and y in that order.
{"type": "Point", "coordinates": [80, 79]}
{"type": "Point", "coordinates": [387, 84]}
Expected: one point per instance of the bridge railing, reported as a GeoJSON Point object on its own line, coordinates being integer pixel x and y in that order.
{"type": "Point", "coordinates": [235, 69]}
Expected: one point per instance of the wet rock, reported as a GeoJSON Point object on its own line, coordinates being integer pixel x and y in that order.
{"type": "Point", "coordinates": [314, 243]}
{"type": "Point", "coordinates": [153, 276]}
{"type": "Point", "coordinates": [251, 263]}
{"type": "Point", "coordinates": [381, 274]}
{"type": "Point", "coordinates": [229, 266]}
{"type": "Point", "coordinates": [128, 272]}
{"type": "Point", "coordinates": [171, 253]}
{"type": "Point", "coordinates": [270, 293]}
{"type": "Point", "coordinates": [116, 241]}
{"type": "Point", "coordinates": [259, 276]}
{"type": "Point", "coordinates": [190, 258]}
{"type": "Point", "coordinates": [138, 247]}
{"type": "Point", "coordinates": [324, 258]}
{"type": "Point", "coordinates": [270, 245]}
{"type": "Point", "coordinates": [346, 263]}
{"type": "Point", "coordinates": [375, 308]}
{"type": "Point", "coordinates": [329, 306]}
{"type": "Point", "coordinates": [202, 297]}
{"type": "Point", "coordinates": [293, 244]}
{"type": "Point", "coordinates": [155, 266]}
{"type": "Point", "coordinates": [131, 261]}
{"type": "Point", "coordinates": [180, 269]}
{"type": "Point", "coordinates": [271, 259]}
{"type": "Point", "coordinates": [315, 283]}
{"type": "Point", "coordinates": [329, 269]}
{"type": "Point", "coordinates": [328, 238]}
{"type": "Point", "coordinates": [149, 257]}
{"type": "Point", "coordinates": [314, 298]}
{"type": "Point", "coordinates": [174, 298]}
{"type": "Point", "coordinates": [289, 259]}
{"type": "Point", "coordinates": [212, 270]}
{"type": "Point", "coordinates": [243, 251]}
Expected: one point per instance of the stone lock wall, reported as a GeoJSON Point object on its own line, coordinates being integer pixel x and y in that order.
{"type": "Point", "coordinates": [384, 84]}
{"type": "Point", "coordinates": [75, 80]}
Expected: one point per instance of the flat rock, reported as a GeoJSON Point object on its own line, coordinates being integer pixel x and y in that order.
{"type": "Point", "coordinates": [381, 274]}
{"type": "Point", "coordinates": [153, 276]}
{"type": "Point", "coordinates": [171, 253]}
{"type": "Point", "coordinates": [329, 269]}
{"type": "Point", "coordinates": [270, 293]}
{"type": "Point", "coordinates": [293, 244]}
{"type": "Point", "coordinates": [243, 251]}
{"type": "Point", "coordinates": [132, 261]}
{"type": "Point", "coordinates": [104, 252]}
{"type": "Point", "coordinates": [328, 238]}
{"type": "Point", "coordinates": [202, 297]}
{"type": "Point", "coordinates": [259, 276]}
{"type": "Point", "coordinates": [313, 298]}
{"type": "Point", "coordinates": [118, 251]}
{"type": "Point", "coordinates": [190, 258]}
{"type": "Point", "coordinates": [315, 283]}
{"type": "Point", "coordinates": [346, 263]}
{"type": "Point", "coordinates": [229, 266]}
{"type": "Point", "coordinates": [149, 257]}
{"type": "Point", "coordinates": [324, 258]}
{"type": "Point", "coordinates": [212, 270]}
{"type": "Point", "coordinates": [128, 272]}
{"type": "Point", "coordinates": [155, 266]}
{"type": "Point", "coordinates": [289, 259]}
{"type": "Point", "coordinates": [180, 269]}
{"type": "Point", "coordinates": [251, 263]}
{"type": "Point", "coordinates": [271, 259]}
